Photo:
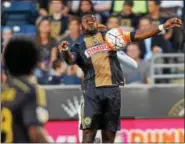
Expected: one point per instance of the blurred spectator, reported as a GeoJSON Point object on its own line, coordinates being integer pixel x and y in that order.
{"type": "Point", "coordinates": [58, 21]}
{"type": "Point", "coordinates": [127, 18]}
{"type": "Point", "coordinates": [142, 74]}
{"type": "Point", "coordinates": [113, 22]}
{"type": "Point", "coordinates": [43, 7]}
{"type": "Point", "coordinates": [6, 36]}
{"type": "Point", "coordinates": [140, 7]}
{"type": "Point", "coordinates": [154, 12]}
{"type": "Point", "coordinates": [87, 6]}
{"type": "Point", "coordinates": [41, 73]}
{"type": "Point", "coordinates": [46, 43]}
{"type": "Point", "coordinates": [103, 8]}
{"type": "Point", "coordinates": [74, 75]}
{"type": "Point", "coordinates": [74, 31]}
{"type": "Point", "coordinates": [74, 6]}
{"type": "Point", "coordinates": [59, 69]}
{"type": "Point", "coordinates": [3, 75]}
{"type": "Point", "coordinates": [155, 44]}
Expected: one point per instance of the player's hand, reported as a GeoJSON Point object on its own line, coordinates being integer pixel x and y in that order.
{"type": "Point", "coordinates": [173, 22]}
{"type": "Point", "coordinates": [63, 45]}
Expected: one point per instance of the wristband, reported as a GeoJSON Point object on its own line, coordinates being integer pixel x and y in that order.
{"type": "Point", "coordinates": [65, 49]}
{"type": "Point", "coordinates": [161, 27]}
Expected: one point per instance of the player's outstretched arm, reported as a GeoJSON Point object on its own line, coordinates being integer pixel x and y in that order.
{"type": "Point", "coordinates": [66, 53]}
{"type": "Point", "coordinates": [154, 29]}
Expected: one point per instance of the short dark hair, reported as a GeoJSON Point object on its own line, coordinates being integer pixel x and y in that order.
{"type": "Point", "coordinates": [20, 56]}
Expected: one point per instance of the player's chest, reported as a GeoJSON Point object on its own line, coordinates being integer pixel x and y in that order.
{"type": "Point", "coordinates": [95, 47]}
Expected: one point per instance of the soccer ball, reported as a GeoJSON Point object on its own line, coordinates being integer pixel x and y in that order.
{"type": "Point", "coordinates": [115, 39]}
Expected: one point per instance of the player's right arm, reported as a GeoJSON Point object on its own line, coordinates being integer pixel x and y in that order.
{"type": "Point", "coordinates": [154, 29]}
{"type": "Point", "coordinates": [69, 57]}
{"type": "Point", "coordinates": [150, 31]}
{"type": "Point", "coordinates": [35, 115]}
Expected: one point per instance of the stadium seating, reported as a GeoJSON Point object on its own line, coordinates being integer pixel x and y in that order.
{"type": "Point", "coordinates": [23, 29]}
{"type": "Point", "coordinates": [19, 12]}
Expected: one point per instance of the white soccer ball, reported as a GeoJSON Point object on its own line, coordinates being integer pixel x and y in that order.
{"type": "Point", "coordinates": [114, 39]}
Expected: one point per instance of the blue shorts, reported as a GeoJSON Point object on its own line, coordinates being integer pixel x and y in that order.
{"type": "Point", "coordinates": [101, 108]}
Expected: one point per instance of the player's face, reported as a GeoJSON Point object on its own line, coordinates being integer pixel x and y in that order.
{"type": "Point", "coordinates": [89, 25]}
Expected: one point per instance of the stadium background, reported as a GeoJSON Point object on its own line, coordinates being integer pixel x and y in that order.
{"type": "Point", "coordinates": [152, 100]}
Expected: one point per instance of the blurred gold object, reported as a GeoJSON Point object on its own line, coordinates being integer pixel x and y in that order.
{"type": "Point", "coordinates": [178, 109]}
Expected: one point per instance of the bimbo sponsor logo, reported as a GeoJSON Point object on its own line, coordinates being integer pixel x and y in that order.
{"type": "Point", "coordinates": [132, 131]}
{"type": "Point", "coordinates": [93, 50]}
{"type": "Point", "coordinates": [151, 135]}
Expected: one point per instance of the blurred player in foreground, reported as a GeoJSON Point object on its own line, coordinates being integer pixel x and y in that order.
{"type": "Point", "coordinates": [23, 104]}
{"type": "Point", "coordinates": [98, 60]}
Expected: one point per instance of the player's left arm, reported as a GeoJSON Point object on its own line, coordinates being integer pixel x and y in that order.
{"type": "Point", "coordinates": [35, 115]}
{"type": "Point", "coordinates": [154, 29]}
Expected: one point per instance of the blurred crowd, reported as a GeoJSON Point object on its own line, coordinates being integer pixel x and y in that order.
{"type": "Point", "coordinates": [57, 20]}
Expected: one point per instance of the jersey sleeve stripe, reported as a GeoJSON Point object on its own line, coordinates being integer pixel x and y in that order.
{"type": "Point", "coordinates": [41, 96]}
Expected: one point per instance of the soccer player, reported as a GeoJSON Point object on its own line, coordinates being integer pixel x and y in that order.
{"type": "Point", "coordinates": [101, 106]}
{"type": "Point", "coordinates": [23, 104]}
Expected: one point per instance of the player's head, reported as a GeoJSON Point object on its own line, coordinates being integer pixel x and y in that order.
{"type": "Point", "coordinates": [89, 24]}
{"type": "Point", "coordinates": [20, 56]}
